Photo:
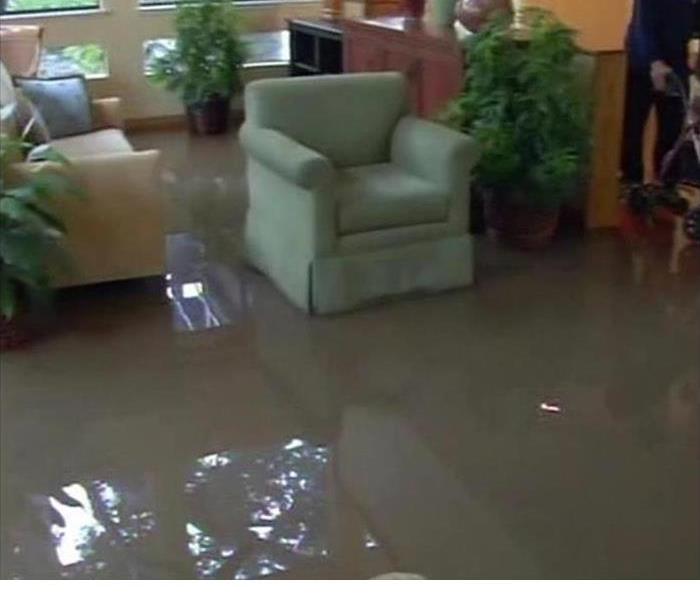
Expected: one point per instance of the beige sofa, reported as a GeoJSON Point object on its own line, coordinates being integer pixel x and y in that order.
{"type": "Point", "coordinates": [117, 231]}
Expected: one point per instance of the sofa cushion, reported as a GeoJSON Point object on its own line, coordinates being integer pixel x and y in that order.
{"type": "Point", "coordinates": [104, 141]}
{"type": "Point", "coordinates": [64, 102]}
{"type": "Point", "coordinates": [383, 196]}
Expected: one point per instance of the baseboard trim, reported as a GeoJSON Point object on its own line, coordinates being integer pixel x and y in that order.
{"type": "Point", "coordinates": [171, 122]}
{"type": "Point", "coordinates": [156, 123]}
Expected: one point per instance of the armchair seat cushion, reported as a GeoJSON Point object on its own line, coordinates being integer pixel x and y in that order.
{"type": "Point", "coordinates": [383, 196]}
{"type": "Point", "coordinates": [95, 143]}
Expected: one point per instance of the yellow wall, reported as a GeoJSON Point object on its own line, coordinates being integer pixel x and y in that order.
{"type": "Point", "coordinates": [122, 28]}
{"type": "Point", "coordinates": [601, 23]}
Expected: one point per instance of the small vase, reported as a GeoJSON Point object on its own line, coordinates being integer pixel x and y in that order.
{"type": "Point", "coordinates": [476, 14]}
{"type": "Point", "coordinates": [444, 12]}
{"type": "Point", "coordinates": [414, 9]}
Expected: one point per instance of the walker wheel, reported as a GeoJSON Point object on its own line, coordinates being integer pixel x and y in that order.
{"type": "Point", "coordinates": [691, 225]}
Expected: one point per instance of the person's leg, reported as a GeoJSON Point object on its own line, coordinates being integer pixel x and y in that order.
{"type": "Point", "coordinates": [638, 102]}
{"type": "Point", "coordinates": [671, 116]}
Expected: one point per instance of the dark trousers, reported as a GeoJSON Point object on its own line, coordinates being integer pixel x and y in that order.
{"type": "Point", "coordinates": [641, 96]}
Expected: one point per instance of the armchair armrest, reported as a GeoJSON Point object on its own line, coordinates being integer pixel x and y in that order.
{"type": "Point", "coordinates": [107, 113]}
{"type": "Point", "coordinates": [434, 152]}
{"type": "Point", "coordinates": [294, 161]}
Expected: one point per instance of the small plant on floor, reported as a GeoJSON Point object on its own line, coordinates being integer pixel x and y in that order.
{"type": "Point", "coordinates": [205, 64]}
{"type": "Point", "coordinates": [525, 103]}
{"type": "Point", "coordinates": [29, 236]}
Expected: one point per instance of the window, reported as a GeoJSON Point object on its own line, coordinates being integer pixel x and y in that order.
{"type": "Point", "coordinates": [87, 59]}
{"type": "Point", "coordinates": [264, 49]}
{"type": "Point", "coordinates": [30, 6]}
{"type": "Point", "coordinates": [171, 2]}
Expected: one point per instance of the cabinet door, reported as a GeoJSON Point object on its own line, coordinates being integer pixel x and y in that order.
{"type": "Point", "coordinates": [364, 54]}
{"type": "Point", "coordinates": [410, 64]}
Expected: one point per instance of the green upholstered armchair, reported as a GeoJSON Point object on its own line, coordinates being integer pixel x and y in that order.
{"type": "Point", "coordinates": [351, 198]}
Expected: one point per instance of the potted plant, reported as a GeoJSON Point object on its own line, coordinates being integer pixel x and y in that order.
{"type": "Point", "coordinates": [204, 66]}
{"type": "Point", "coordinates": [29, 236]}
{"type": "Point", "coordinates": [523, 101]}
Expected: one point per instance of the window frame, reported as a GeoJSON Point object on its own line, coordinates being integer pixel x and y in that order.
{"type": "Point", "coordinates": [96, 5]}
{"type": "Point", "coordinates": [172, 4]}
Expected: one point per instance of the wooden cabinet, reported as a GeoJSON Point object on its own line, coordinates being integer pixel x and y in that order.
{"type": "Point", "coordinates": [316, 47]}
{"type": "Point", "coordinates": [431, 58]}
{"type": "Point", "coordinates": [382, 8]}
{"type": "Point", "coordinates": [334, 9]}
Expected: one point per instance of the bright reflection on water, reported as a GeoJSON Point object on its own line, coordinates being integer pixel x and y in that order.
{"type": "Point", "coordinates": [74, 537]}
{"type": "Point", "coordinates": [93, 528]}
{"type": "Point", "coordinates": [279, 519]}
{"type": "Point", "coordinates": [203, 291]}
{"type": "Point", "coordinates": [247, 514]}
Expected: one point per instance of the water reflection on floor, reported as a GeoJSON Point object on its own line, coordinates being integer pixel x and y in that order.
{"type": "Point", "coordinates": [273, 515]}
{"type": "Point", "coordinates": [204, 293]}
{"type": "Point", "coordinates": [543, 423]}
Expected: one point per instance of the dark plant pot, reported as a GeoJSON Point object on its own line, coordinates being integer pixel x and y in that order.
{"type": "Point", "coordinates": [477, 219]}
{"type": "Point", "coordinates": [520, 224]}
{"type": "Point", "coordinates": [414, 9]}
{"type": "Point", "coordinates": [210, 117]}
{"type": "Point", "coordinates": [14, 334]}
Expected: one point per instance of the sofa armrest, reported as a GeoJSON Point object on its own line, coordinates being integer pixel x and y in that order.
{"type": "Point", "coordinates": [112, 174]}
{"type": "Point", "coordinates": [294, 161]}
{"type": "Point", "coordinates": [106, 173]}
{"type": "Point", "coordinates": [434, 152]}
{"type": "Point", "coordinates": [107, 113]}
{"type": "Point", "coordinates": [116, 228]}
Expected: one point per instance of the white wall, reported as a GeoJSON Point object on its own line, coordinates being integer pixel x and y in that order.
{"type": "Point", "coordinates": [121, 28]}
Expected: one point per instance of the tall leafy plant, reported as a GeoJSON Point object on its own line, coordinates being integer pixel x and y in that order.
{"type": "Point", "coordinates": [206, 60]}
{"type": "Point", "coordinates": [525, 103]}
{"type": "Point", "coordinates": [29, 231]}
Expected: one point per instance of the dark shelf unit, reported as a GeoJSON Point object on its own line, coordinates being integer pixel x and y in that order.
{"type": "Point", "coordinates": [316, 47]}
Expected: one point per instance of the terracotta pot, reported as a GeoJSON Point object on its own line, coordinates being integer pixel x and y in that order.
{"type": "Point", "coordinates": [210, 117]}
{"type": "Point", "coordinates": [414, 9]}
{"type": "Point", "coordinates": [475, 14]}
{"type": "Point", "coordinates": [520, 224]}
{"type": "Point", "coordinates": [14, 334]}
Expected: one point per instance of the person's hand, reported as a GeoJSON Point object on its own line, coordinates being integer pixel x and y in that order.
{"type": "Point", "coordinates": [659, 75]}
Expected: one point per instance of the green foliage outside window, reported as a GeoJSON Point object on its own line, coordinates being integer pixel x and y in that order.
{"type": "Point", "coordinates": [47, 5]}
{"type": "Point", "coordinates": [89, 59]}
